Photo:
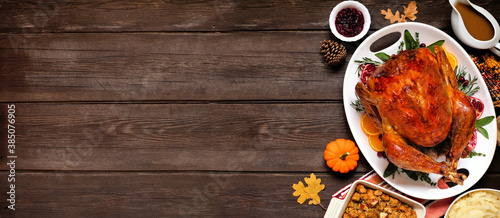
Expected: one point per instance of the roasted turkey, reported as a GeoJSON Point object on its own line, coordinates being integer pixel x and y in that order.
{"type": "Point", "coordinates": [414, 100]}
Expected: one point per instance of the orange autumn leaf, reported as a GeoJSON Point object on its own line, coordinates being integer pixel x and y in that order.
{"type": "Point", "coordinates": [411, 10]}
{"type": "Point", "coordinates": [392, 17]}
{"type": "Point", "coordinates": [408, 12]}
{"type": "Point", "coordinates": [314, 186]}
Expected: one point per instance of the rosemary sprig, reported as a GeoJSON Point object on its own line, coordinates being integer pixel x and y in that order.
{"type": "Point", "coordinates": [357, 105]}
{"type": "Point", "coordinates": [468, 88]}
{"type": "Point", "coordinates": [367, 61]}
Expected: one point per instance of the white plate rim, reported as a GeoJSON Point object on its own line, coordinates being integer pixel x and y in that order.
{"type": "Point", "coordinates": [428, 34]}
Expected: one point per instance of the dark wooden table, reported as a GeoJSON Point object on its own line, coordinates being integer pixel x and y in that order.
{"type": "Point", "coordinates": [159, 108]}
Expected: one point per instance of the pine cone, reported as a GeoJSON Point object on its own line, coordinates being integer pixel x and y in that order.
{"type": "Point", "coordinates": [334, 52]}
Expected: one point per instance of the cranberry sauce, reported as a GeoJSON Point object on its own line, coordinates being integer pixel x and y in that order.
{"type": "Point", "coordinates": [349, 22]}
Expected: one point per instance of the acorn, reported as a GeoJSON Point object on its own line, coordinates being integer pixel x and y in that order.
{"type": "Point", "coordinates": [334, 52]}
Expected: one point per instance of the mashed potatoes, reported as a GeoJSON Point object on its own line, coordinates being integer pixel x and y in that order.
{"type": "Point", "coordinates": [476, 204]}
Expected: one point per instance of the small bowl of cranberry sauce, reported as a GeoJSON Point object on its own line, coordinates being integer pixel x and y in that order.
{"type": "Point", "coordinates": [350, 21]}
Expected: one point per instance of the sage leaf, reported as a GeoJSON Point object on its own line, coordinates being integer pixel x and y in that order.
{"type": "Point", "coordinates": [383, 56]}
{"type": "Point", "coordinates": [431, 46]}
{"type": "Point", "coordinates": [483, 131]}
{"type": "Point", "coordinates": [409, 41]}
{"type": "Point", "coordinates": [484, 121]}
{"type": "Point", "coordinates": [390, 170]}
{"type": "Point", "coordinates": [411, 174]}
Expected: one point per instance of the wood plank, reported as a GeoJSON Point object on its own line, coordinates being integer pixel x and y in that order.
{"type": "Point", "coordinates": [174, 66]}
{"type": "Point", "coordinates": [223, 137]}
{"type": "Point", "coordinates": [145, 194]}
{"type": "Point", "coordinates": [227, 15]}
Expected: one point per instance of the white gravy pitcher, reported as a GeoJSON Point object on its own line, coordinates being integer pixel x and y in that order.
{"type": "Point", "coordinates": [461, 32]}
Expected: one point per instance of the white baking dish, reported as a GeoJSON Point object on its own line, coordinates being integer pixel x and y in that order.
{"type": "Point", "coordinates": [337, 206]}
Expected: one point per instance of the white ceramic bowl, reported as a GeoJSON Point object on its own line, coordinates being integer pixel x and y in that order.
{"type": "Point", "coordinates": [461, 32]}
{"type": "Point", "coordinates": [337, 206]}
{"type": "Point", "coordinates": [466, 193]}
{"type": "Point", "coordinates": [350, 4]}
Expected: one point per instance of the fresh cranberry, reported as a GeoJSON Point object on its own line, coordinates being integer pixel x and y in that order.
{"type": "Point", "coordinates": [381, 154]}
{"type": "Point", "coordinates": [349, 22]}
{"type": "Point", "coordinates": [422, 45]}
{"type": "Point", "coordinates": [466, 83]}
{"type": "Point", "coordinates": [461, 79]}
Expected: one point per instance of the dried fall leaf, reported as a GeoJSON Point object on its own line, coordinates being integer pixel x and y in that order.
{"type": "Point", "coordinates": [411, 10]}
{"type": "Point", "coordinates": [408, 12]}
{"type": "Point", "coordinates": [392, 17]}
{"type": "Point", "coordinates": [309, 192]}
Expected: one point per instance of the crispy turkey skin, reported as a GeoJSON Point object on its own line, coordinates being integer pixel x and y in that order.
{"type": "Point", "coordinates": [414, 100]}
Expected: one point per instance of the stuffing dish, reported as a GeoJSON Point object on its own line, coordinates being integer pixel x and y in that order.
{"type": "Point", "coordinates": [367, 202]}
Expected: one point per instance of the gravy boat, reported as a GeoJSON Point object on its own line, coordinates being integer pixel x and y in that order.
{"type": "Point", "coordinates": [457, 23]}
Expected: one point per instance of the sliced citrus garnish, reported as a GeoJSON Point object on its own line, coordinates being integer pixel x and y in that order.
{"type": "Point", "coordinates": [368, 126]}
{"type": "Point", "coordinates": [376, 142]}
{"type": "Point", "coordinates": [452, 59]}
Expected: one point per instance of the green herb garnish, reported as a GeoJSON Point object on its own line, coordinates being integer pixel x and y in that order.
{"type": "Point", "coordinates": [483, 122]}
{"type": "Point", "coordinates": [468, 88]}
{"type": "Point", "coordinates": [357, 105]}
{"type": "Point", "coordinates": [401, 47]}
{"type": "Point", "coordinates": [367, 61]}
{"type": "Point", "coordinates": [431, 46]}
{"type": "Point", "coordinates": [383, 56]}
{"type": "Point", "coordinates": [410, 42]}
{"type": "Point", "coordinates": [474, 153]}
{"type": "Point", "coordinates": [415, 175]}
{"type": "Point", "coordinates": [390, 170]}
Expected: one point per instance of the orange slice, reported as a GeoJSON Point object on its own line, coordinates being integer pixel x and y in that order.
{"type": "Point", "coordinates": [452, 59]}
{"type": "Point", "coordinates": [368, 126]}
{"type": "Point", "coordinates": [376, 143]}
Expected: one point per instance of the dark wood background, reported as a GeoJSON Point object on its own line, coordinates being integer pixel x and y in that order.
{"type": "Point", "coordinates": [159, 108]}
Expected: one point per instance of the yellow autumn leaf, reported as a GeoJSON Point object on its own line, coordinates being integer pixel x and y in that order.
{"type": "Point", "coordinates": [314, 186]}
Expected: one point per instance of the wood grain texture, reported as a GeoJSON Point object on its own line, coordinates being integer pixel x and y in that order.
{"type": "Point", "coordinates": [220, 15]}
{"type": "Point", "coordinates": [175, 137]}
{"type": "Point", "coordinates": [223, 137]}
{"type": "Point", "coordinates": [143, 194]}
{"type": "Point", "coordinates": [164, 108]}
{"type": "Point", "coordinates": [175, 66]}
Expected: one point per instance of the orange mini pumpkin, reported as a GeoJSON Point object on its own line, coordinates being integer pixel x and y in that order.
{"type": "Point", "coordinates": [341, 155]}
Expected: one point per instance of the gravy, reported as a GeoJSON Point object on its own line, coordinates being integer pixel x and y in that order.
{"type": "Point", "coordinates": [475, 23]}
